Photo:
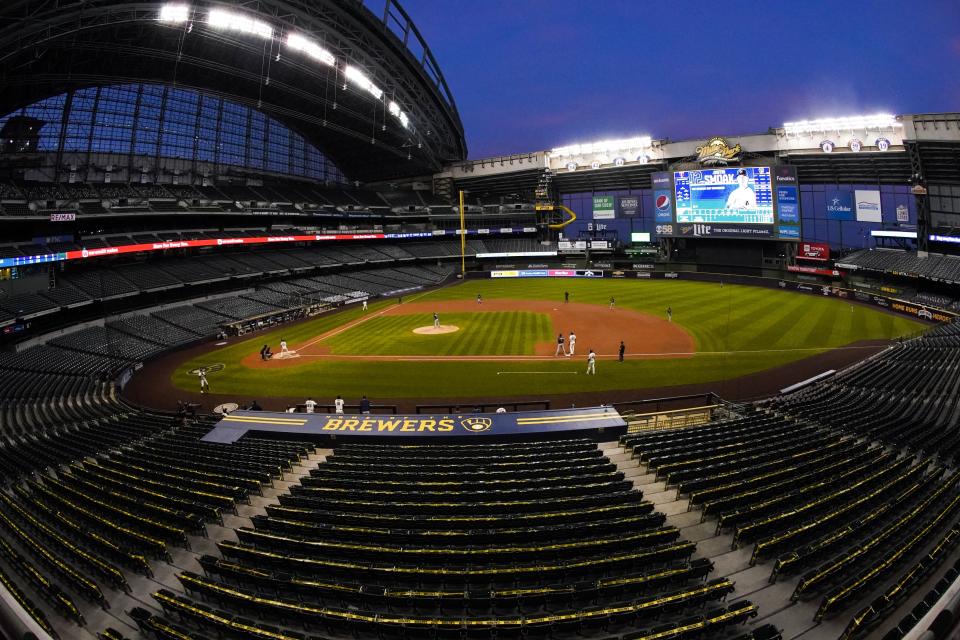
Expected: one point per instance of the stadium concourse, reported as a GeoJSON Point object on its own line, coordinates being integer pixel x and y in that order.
{"type": "Point", "coordinates": [211, 211]}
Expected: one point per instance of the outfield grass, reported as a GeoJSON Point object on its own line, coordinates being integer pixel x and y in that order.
{"type": "Point", "coordinates": [495, 333]}
{"type": "Point", "coordinates": [738, 330]}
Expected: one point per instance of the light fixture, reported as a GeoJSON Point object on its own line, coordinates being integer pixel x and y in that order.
{"type": "Point", "coordinates": [231, 21]}
{"type": "Point", "coordinates": [602, 146]}
{"type": "Point", "coordinates": [398, 113]}
{"type": "Point", "coordinates": [849, 123]}
{"type": "Point", "coordinates": [175, 13]}
{"type": "Point", "coordinates": [298, 42]}
{"type": "Point", "coordinates": [826, 146]}
{"type": "Point", "coordinates": [358, 78]}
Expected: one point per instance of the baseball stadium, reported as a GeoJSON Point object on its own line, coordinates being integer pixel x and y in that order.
{"type": "Point", "coordinates": [284, 358]}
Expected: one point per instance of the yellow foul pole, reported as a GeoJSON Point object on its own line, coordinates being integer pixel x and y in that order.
{"type": "Point", "coordinates": [463, 240]}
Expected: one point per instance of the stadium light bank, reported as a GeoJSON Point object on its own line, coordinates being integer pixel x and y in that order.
{"type": "Point", "coordinates": [881, 121]}
{"type": "Point", "coordinates": [224, 20]}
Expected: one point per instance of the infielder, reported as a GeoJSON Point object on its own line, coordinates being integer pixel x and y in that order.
{"type": "Point", "coordinates": [573, 343]}
{"type": "Point", "coordinates": [669, 314]}
{"type": "Point", "coordinates": [436, 321]}
{"type": "Point", "coordinates": [479, 299]}
{"type": "Point", "coordinates": [591, 363]}
{"type": "Point", "coordinates": [613, 302]}
{"type": "Point", "coordinates": [560, 350]}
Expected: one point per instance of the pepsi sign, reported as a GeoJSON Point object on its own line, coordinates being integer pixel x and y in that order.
{"type": "Point", "coordinates": [662, 206]}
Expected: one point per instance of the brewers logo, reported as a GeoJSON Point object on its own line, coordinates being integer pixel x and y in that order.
{"type": "Point", "coordinates": [718, 151]}
{"type": "Point", "coordinates": [476, 425]}
{"type": "Point", "coordinates": [208, 368]}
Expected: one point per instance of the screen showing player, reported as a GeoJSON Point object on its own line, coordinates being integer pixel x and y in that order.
{"type": "Point", "coordinates": [740, 195]}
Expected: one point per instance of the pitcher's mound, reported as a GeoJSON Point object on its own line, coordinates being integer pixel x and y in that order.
{"type": "Point", "coordinates": [433, 331]}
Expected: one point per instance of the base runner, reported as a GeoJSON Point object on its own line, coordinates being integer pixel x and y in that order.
{"type": "Point", "coordinates": [560, 350]}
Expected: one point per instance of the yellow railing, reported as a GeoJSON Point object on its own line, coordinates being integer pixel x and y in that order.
{"type": "Point", "coordinates": [671, 419]}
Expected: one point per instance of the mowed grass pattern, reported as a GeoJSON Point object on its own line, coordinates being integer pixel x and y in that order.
{"type": "Point", "coordinates": [737, 329]}
{"type": "Point", "coordinates": [480, 334]}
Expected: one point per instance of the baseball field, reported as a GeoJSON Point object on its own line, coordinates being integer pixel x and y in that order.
{"type": "Point", "coordinates": [506, 346]}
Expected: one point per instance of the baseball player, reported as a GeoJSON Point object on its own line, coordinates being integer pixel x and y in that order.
{"type": "Point", "coordinates": [479, 299]}
{"type": "Point", "coordinates": [364, 304]}
{"type": "Point", "coordinates": [560, 350]}
{"type": "Point", "coordinates": [591, 363]}
{"type": "Point", "coordinates": [338, 405]}
{"type": "Point", "coordinates": [311, 405]}
{"type": "Point", "coordinates": [204, 385]}
{"type": "Point", "coordinates": [613, 302]}
{"type": "Point", "coordinates": [573, 343]}
{"type": "Point", "coordinates": [743, 197]}
{"type": "Point", "coordinates": [623, 348]}
{"type": "Point", "coordinates": [669, 314]}
{"type": "Point", "coordinates": [566, 296]}
{"type": "Point", "coordinates": [283, 347]}
{"type": "Point", "coordinates": [436, 321]}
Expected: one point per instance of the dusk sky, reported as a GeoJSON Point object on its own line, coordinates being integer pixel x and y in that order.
{"type": "Point", "coordinates": [529, 75]}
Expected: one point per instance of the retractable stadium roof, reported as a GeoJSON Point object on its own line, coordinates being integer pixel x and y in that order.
{"type": "Point", "coordinates": [361, 87]}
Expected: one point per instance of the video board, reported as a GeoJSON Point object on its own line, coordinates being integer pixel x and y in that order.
{"type": "Point", "coordinates": [740, 195]}
{"type": "Point", "coordinates": [759, 202]}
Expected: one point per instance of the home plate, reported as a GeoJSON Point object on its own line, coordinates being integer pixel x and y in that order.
{"type": "Point", "coordinates": [283, 355]}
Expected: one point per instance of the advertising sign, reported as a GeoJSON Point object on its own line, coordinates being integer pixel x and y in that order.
{"type": "Point", "coordinates": [868, 206]}
{"type": "Point", "coordinates": [903, 214]}
{"type": "Point", "coordinates": [662, 205]}
{"type": "Point", "coordinates": [699, 230]}
{"type": "Point", "coordinates": [814, 251]}
{"type": "Point", "coordinates": [788, 209]}
{"type": "Point", "coordinates": [603, 207]}
{"type": "Point", "coordinates": [629, 206]}
{"type": "Point", "coordinates": [839, 205]}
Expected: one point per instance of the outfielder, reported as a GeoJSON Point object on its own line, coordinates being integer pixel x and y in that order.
{"type": "Point", "coordinates": [573, 343]}
{"type": "Point", "coordinates": [591, 363]}
{"type": "Point", "coordinates": [364, 304]}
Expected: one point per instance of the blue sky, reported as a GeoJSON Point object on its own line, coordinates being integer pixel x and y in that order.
{"type": "Point", "coordinates": [534, 74]}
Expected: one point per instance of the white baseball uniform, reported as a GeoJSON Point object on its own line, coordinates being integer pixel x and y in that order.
{"type": "Point", "coordinates": [591, 363]}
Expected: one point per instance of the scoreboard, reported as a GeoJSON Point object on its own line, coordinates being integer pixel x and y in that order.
{"type": "Point", "coordinates": [741, 195]}
{"type": "Point", "coordinates": [728, 202]}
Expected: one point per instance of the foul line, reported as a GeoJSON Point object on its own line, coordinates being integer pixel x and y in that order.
{"type": "Point", "coordinates": [553, 373]}
{"type": "Point", "coordinates": [351, 325]}
{"type": "Point", "coordinates": [605, 356]}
